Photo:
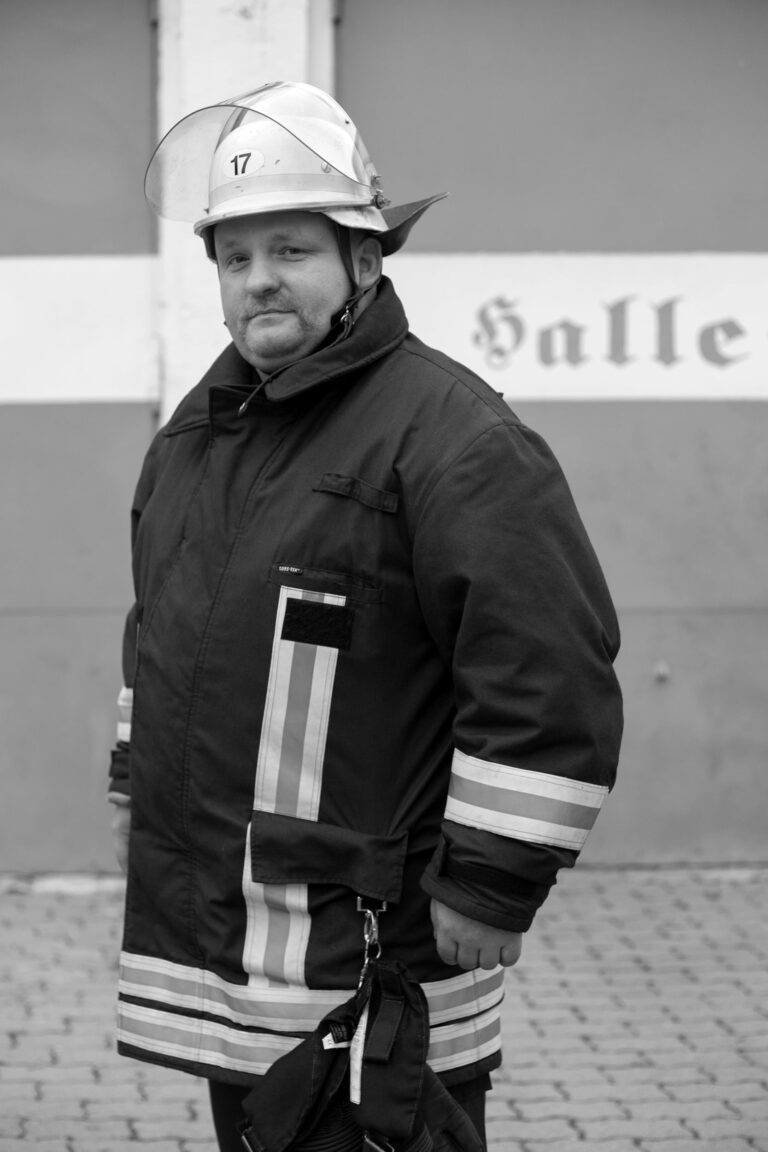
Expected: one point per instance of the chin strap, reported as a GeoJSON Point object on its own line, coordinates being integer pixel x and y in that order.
{"type": "Point", "coordinates": [343, 322]}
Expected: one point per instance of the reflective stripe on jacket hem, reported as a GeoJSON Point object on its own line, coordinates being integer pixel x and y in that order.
{"type": "Point", "coordinates": [191, 1015]}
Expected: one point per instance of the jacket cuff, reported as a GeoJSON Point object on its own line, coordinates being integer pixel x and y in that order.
{"type": "Point", "coordinates": [500, 899]}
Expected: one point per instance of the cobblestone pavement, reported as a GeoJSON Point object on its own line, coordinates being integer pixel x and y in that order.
{"type": "Point", "coordinates": [636, 1019]}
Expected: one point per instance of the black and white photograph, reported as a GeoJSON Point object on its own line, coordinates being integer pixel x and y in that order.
{"type": "Point", "coordinates": [384, 575]}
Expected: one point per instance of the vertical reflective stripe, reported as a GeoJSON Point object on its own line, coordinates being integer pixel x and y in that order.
{"type": "Point", "coordinates": [289, 782]}
{"type": "Point", "coordinates": [257, 918]}
{"type": "Point", "coordinates": [316, 731]}
{"type": "Point", "coordinates": [275, 709]}
{"type": "Point", "coordinates": [295, 726]}
{"type": "Point", "coordinates": [277, 929]}
{"type": "Point", "coordinates": [296, 714]}
{"type": "Point", "coordinates": [288, 932]}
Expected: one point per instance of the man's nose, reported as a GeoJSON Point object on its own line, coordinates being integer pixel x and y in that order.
{"type": "Point", "coordinates": [262, 276]}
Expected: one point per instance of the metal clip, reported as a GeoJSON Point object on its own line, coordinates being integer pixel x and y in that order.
{"type": "Point", "coordinates": [370, 934]}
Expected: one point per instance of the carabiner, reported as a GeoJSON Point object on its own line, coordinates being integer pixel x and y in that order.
{"type": "Point", "coordinates": [372, 944]}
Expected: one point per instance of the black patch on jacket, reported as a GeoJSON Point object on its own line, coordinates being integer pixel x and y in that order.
{"type": "Point", "coordinates": [327, 625]}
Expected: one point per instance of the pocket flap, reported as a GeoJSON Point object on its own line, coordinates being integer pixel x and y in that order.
{"type": "Point", "coordinates": [360, 490]}
{"type": "Point", "coordinates": [289, 850]}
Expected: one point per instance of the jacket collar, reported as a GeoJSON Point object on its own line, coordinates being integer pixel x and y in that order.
{"type": "Point", "coordinates": [379, 329]}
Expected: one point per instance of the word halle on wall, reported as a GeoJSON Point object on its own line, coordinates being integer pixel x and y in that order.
{"type": "Point", "coordinates": [503, 332]}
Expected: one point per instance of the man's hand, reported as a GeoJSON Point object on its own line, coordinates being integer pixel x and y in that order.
{"type": "Point", "coordinates": [121, 827]}
{"type": "Point", "coordinates": [471, 944]}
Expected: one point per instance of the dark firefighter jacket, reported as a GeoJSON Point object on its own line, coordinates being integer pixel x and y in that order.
{"type": "Point", "coordinates": [370, 655]}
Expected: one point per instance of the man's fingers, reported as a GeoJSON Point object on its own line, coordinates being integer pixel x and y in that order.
{"type": "Point", "coordinates": [489, 958]}
{"type": "Point", "coordinates": [471, 943]}
{"type": "Point", "coordinates": [454, 952]}
{"type": "Point", "coordinates": [468, 957]}
{"type": "Point", "coordinates": [510, 954]}
{"type": "Point", "coordinates": [447, 949]}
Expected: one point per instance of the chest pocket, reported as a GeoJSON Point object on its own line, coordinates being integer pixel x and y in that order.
{"type": "Point", "coordinates": [324, 614]}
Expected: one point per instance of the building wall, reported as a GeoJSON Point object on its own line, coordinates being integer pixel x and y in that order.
{"type": "Point", "coordinates": [78, 401]}
{"type": "Point", "coordinates": [605, 170]}
{"type": "Point", "coordinates": [106, 321]}
{"type": "Point", "coordinates": [67, 476]}
{"type": "Point", "coordinates": [601, 260]}
{"type": "Point", "coordinates": [602, 126]}
{"type": "Point", "coordinates": [674, 496]}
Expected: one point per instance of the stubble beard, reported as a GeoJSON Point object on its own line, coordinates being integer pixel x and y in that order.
{"type": "Point", "coordinates": [268, 350]}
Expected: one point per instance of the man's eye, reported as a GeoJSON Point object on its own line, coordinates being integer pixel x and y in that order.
{"type": "Point", "coordinates": [291, 252]}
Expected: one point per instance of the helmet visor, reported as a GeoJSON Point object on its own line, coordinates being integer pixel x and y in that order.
{"type": "Point", "coordinates": [286, 145]}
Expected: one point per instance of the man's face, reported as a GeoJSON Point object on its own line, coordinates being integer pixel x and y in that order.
{"type": "Point", "coordinates": [281, 280]}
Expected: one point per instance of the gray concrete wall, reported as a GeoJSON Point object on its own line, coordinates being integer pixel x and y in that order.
{"type": "Point", "coordinates": [611, 125]}
{"type": "Point", "coordinates": [77, 97]}
{"type": "Point", "coordinates": [69, 472]}
{"type": "Point", "coordinates": [615, 126]}
{"type": "Point", "coordinates": [597, 126]}
{"type": "Point", "coordinates": [674, 498]}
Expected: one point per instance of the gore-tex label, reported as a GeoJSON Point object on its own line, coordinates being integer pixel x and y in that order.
{"type": "Point", "coordinates": [337, 1037]}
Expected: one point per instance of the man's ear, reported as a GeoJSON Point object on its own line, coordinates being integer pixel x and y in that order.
{"type": "Point", "coordinates": [209, 239]}
{"type": "Point", "coordinates": [368, 259]}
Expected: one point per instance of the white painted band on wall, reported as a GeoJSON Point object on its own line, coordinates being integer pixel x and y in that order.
{"type": "Point", "coordinates": [594, 327]}
{"type": "Point", "coordinates": [537, 327]}
{"type": "Point", "coordinates": [77, 328]}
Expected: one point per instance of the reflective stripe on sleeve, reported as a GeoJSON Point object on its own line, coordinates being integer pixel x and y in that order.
{"type": "Point", "coordinates": [124, 712]}
{"type": "Point", "coordinates": [518, 803]}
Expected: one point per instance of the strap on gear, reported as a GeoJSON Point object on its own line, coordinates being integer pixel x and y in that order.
{"type": "Point", "coordinates": [361, 1080]}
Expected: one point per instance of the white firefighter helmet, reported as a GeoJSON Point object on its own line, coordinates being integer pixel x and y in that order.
{"type": "Point", "coordinates": [285, 146]}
